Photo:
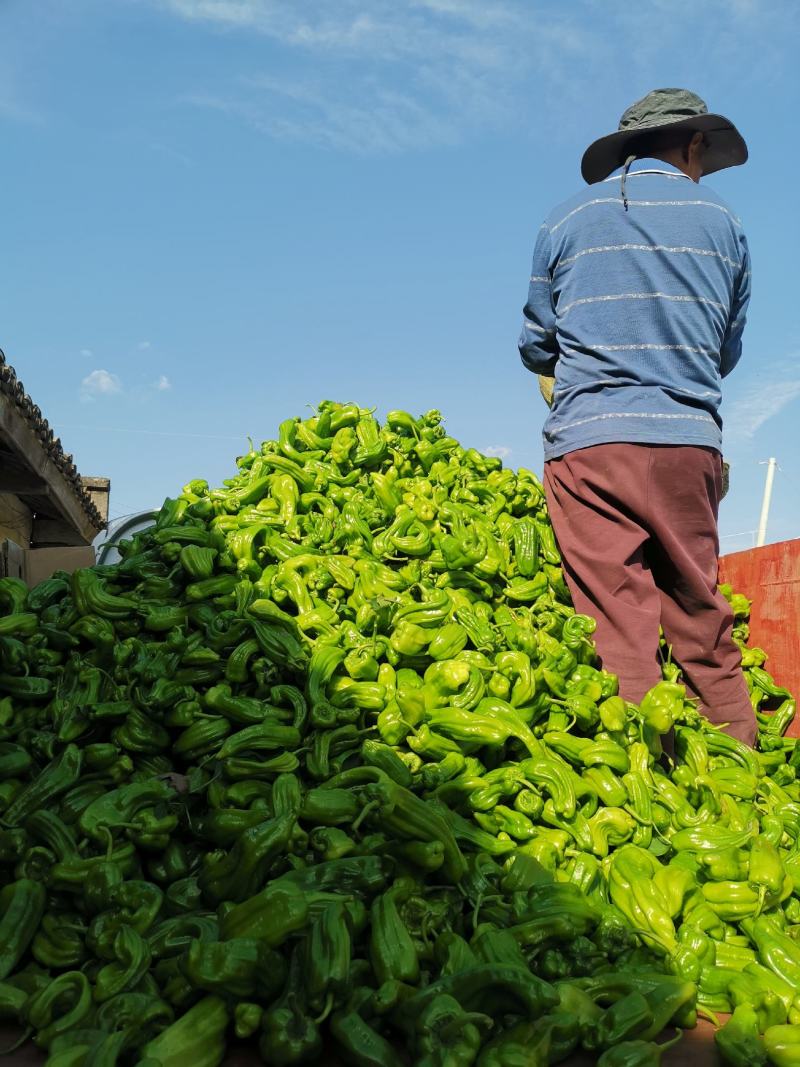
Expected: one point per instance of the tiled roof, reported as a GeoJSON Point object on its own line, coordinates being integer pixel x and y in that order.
{"type": "Point", "coordinates": [12, 387]}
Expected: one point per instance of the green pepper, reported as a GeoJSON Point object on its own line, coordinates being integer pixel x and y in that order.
{"type": "Point", "coordinates": [59, 1007]}
{"type": "Point", "coordinates": [12, 1002]}
{"type": "Point", "coordinates": [724, 864]}
{"type": "Point", "coordinates": [329, 807]}
{"type": "Point", "coordinates": [630, 874]}
{"type": "Point", "coordinates": [613, 714]}
{"type": "Point", "coordinates": [60, 941]}
{"type": "Point", "coordinates": [488, 724]}
{"type": "Point", "coordinates": [435, 774]}
{"type": "Point", "coordinates": [56, 778]}
{"type": "Point", "coordinates": [14, 595]}
{"type": "Point", "coordinates": [289, 1034]}
{"type": "Point", "coordinates": [392, 950]}
{"type": "Point", "coordinates": [732, 901]}
{"type": "Point", "coordinates": [722, 744]}
{"type": "Point", "coordinates": [429, 744]}
{"type": "Point", "coordinates": [120, 807]}
{"type": "Point", "coordinates": [329, 949]}
{"type": "Point", "coordinates": [626, 1018]}
{"type": "Point", "coordinates": [131, 960]}
{"type": "Point", "coordinates": [552, 775]}
{"type": "Point", "coordinates": [481, 987]}
{"type": "Point", "coordinates": [765, 871]}
{"type": "Point", "coordinates": [386, 759]}
{"type": "Point", "coordinates": [782, 1044]}
{"type": "Point", "coordinates": [636, 1053]}
{"type": "Point", "coordinates": [22, 905]}
{"type": "Point", "coordinates": [73, 873]}
{"type": "Point", "coordinates": [224, 826]}
{"type": "Point", "coordinates": [782, 717]}
{"type": "Point", "coordinates": [608, 753]}
{"type": "Point", "coordinates": [776, 950]}
{"type": "Point", "coordinates": [558, 923]}
{"type": "Point", "coordinates": [662, 705]}
{"type": "Point", "coordinates": [91, 598]}
{"type": "Point", "coordinates": [751, 990]}
{"type": "Point", "coordinates": [447, 642]}
{"type": "Point", "coordinates": [45, 826]}
{"type": "Point", "coordinates": [183, 895]}
{"type": "Point", "coordinates": [22, 623]}
{"type": "Point", "coordinates": [242, 871]}
{"type": "Point", "coordinates": [239, 709]}
{"type": "Point", "coordinates": [405, 814]}
{"type": "Point", "coordinates": [445, 1034]}
{"type": "Point", "coordinates": [238, 967]}
{"type": "Point", "coordinates": [331, 843]}
{"type": "Point", "coordinates": [674, 882]}
{"type": "Point", "coordinates": [197, 1037]}
{"type": "Point", "coordinates": [358, 1043]}
{"type": "Point", "coordinates": [457, 682]}
{"type": "Point", "coordinates": [271, 915]}
{"type": "Point", "coordinates": [136, 1015]}
{"type": "Point", "coordinates": [710, 837]}
{"type": "Point", "coordinates": [733, 956]}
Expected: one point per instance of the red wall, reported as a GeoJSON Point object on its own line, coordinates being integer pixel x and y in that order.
{"type": "Point", "coordinates": [770, 577]}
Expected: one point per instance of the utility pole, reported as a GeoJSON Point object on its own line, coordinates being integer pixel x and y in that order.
{"type": "Point", "coordinates": [762, 522]}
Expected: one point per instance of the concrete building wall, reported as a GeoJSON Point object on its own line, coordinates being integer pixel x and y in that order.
{"type": "Point", "coordinates": [15, 520]}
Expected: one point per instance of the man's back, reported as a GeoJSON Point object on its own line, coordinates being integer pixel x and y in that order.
{"type": "Point", "coordinates": [643, 305]}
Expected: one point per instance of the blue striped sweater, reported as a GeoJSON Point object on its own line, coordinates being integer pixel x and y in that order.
{"type": "Point", "coordinates": [638, 313]}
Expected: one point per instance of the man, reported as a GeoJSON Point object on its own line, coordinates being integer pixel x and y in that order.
{"type": "Point", "coordinates": [636, 305]}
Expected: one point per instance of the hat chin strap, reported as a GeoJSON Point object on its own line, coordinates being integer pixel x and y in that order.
{"type": "Point", "coordinates": [623, 178]}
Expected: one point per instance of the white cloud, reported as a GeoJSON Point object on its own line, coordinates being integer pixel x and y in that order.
{"type": "Point", "coordinates": [392, 78]}
{"type": "Point", "coordinates": [385, 76]}
{"type": "Point", "coordinates": [162, 384]}
{"type": "Point", "coordinates": [746, 415]}
{"type": "Point", "coordinates": [100, 383]}
{"type": "Point", "coordinates": [501, 451]}
{"type": "Point", "coordinates": [388, 121]}
{"type": "Point", "coordinates": [144, 346]}
{"type": "Point", "coordinates": [386, 30]}
{"type": "Point", "coordinates": [87, 353]}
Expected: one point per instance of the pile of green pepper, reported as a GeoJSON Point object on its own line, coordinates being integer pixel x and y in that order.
{"type": "Point", "coordinates": [326, 762]}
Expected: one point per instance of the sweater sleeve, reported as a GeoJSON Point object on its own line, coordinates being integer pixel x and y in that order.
{"type": "Point", "coordinates": [537, 342]}
{"type": "Point", "coordinates": [731, 349]}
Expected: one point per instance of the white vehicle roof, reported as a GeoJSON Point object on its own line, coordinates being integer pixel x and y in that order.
{"type": "Point", "coordinates": [120, 529]}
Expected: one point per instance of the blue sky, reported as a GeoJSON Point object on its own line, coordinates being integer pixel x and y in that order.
{"type": "Point", "coordinates": [219, 212]}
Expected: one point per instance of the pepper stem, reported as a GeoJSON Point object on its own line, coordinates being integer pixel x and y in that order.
{"type": "Point", "coordinates": [364, 812]}
{"type": "Point", "coordinates": [325, 1011]}
{"type": "Point", "coordinates": [110, 845]}
{"type": "Point", "coordinates": [707, 1013]}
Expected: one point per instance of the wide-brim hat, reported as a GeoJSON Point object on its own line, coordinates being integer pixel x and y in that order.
{"type": "Point", "coordinates": [664, 109]}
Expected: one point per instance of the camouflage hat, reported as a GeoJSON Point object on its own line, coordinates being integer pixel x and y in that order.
{"type": "Point", "coordinates": [666, 109]}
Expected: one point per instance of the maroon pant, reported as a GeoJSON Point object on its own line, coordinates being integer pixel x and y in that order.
{"type": "Point", "coordinates": [637, 529]}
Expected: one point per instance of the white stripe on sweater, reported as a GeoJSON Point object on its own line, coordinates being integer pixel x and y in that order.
{"type": "Point", "coordinates": [636, 173]}
{"type": "Point", "coordinates": [630, 415]}
{"type": "Point", "coordinates": [658, 348]}
{"type": "Point", "coordinates": [645, 248]}
{"type": "Point", "coordinates": [644, 203]}
{"type": "Point", "coordinates": [683, 298]}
